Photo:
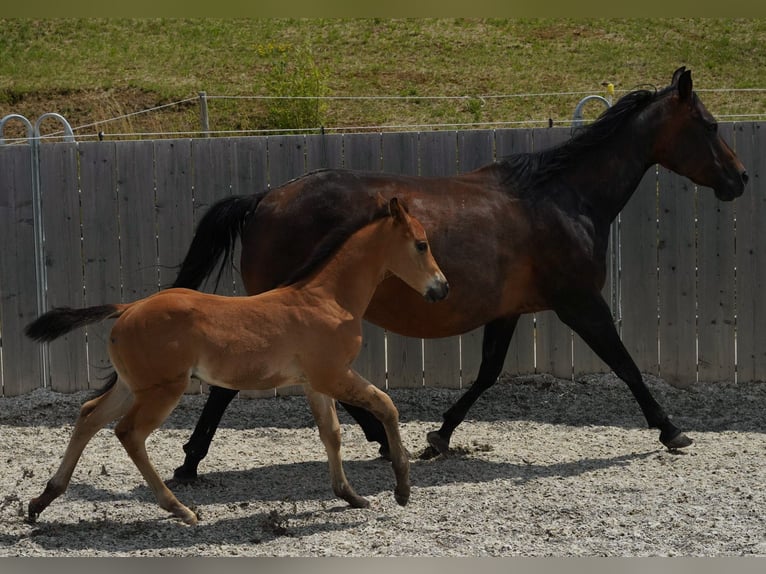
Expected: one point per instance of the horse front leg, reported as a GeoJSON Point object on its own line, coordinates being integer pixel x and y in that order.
{"type": "Point", "coordinates": [495, 341]}
{"type": "Point", "coordinates": [323, 409]}
{"type": "Point", "coordinates": [589, 316]}
{"type": "Point", "coordinates": [196, 449]}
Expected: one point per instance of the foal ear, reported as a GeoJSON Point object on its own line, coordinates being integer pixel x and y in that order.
{"type": "Point", "coordinates": [398, 210]}
{"type": "Point", "coordinates": [685, 85]}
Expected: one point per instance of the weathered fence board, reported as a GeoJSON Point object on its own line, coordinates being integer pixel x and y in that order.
{"type": "Point", "coordinates": [751, 256]}
{"type": "Point", "coordinates": [100, 246]}
{"type": "Point", "coordinates": [520, 359]}
{"type": "Point", "coordinates": [405, 354]}
{"type": "Point", "coordinates": [677, 262]}
{"type": "Point", "coordinates": [638, 275]}
{"type": "Point", "coordinates": [118, 218]}
{"type": "Point", "coordinates": [441, 357]}
{"type": "Point", "coordinates": [18, 298]}
{"type": "Point", "coordinates": [716, 287]}
{"type": "Point", "coordinates": [68, 358]}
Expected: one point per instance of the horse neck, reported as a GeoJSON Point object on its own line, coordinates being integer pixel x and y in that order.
{"type": "Point", "coordinates": [351, 276]}
{"type": "Point", "coordinates": [611, 174]}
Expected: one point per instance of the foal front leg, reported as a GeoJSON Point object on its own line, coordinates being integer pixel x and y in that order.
{"type": "Point", "coordinates": [352, 388]}
{"type": "Point", "coordinates": [323, 408]}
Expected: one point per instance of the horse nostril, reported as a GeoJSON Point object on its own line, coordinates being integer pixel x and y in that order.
{"type": "Point", "coordinates": [745, 177]}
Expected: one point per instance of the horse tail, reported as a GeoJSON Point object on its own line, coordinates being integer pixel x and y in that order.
{"type": "Point", "coordinates": [214, 239]}
{"type": "Point", "coordinates": [61, 320]}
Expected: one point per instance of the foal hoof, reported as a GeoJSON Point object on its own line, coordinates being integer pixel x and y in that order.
{"type": "Point", "coordinates": [385, 453]}
{"type": "Point", "coordinates": [677, 441]}
{"type": "Point", "coordinates": [438, 443]}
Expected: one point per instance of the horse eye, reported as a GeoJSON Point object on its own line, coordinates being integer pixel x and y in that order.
{"type": "Point", "coordinates": [421, 246]}
{"type": "Point", "coordinates": [712, 128]}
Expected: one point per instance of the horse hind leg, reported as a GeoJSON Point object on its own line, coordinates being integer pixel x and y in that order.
{"type": "Point", "coordinates": [94, 415]}
{"type": "Point", "coordinates": [323, 409]}
{"type": "Point", "coordinates": [149, 410]}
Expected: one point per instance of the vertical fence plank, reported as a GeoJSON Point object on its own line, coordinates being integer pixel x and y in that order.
{"type": "Point", "coordinates": [474, 149]}
{"type": "Point", "coordinates": [751, 248]}
{"type": "Point", "coordinates": [18, 297]}
{"type": "Point", "coordinates": [212, 176]}
{"type": "Point", "coordinates": [554, 339]}
{"type": "Point", "coordinates": [100, 245]}
{"type": "Point", "coordinates": [324, 151]}
{"type": "Point", "coordinates": [441, 357]}
{"type": "Point", "coordinates": [520, 359]}
{"type": "Point", "coordinates": [715, 284]}
{"type": "Point", "coordinates": [286, 161]}
{"type": "Point", "coordinates": [175, 215]}
{"type": "Point", "coordinates": [61, 223]}
{"type": "Point", "coordinates": [678, 358]}
{"type": "Point", "coordinates": [638, 275]}
{"type": "Point", "coordinates": [363, 152]}
{"type": "Point", "coordinates": [138, 230]}
{"type": "Point", "coordinates": [405, 354]}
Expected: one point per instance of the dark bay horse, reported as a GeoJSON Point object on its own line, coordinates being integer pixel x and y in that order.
{"type": "Point", "coordinates": [524, 234]}
{"type": "Point", "coordinates": [309, 331]}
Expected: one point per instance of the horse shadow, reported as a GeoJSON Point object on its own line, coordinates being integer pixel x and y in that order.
{"type": "Point", "coordinates": [283, 483]}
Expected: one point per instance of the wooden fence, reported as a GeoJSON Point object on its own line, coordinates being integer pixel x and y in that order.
{"type": "Point", "coordinates": [118, 216]}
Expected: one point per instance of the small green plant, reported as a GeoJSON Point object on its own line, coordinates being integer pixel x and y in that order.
{"type": "Point", "coordinates": [299, 84]}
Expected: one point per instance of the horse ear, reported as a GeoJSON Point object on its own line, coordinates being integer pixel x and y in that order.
{"type": "Point", "coordinates": [685, 85]}
{"type": "Point", "coordinates": [677, 75]}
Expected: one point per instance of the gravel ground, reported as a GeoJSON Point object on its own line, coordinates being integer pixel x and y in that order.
{"type": "Point", "coordinates": [542, 467]}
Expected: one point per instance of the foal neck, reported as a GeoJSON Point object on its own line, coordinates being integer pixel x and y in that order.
{"type": "Point", "coordinates": [351, 276]}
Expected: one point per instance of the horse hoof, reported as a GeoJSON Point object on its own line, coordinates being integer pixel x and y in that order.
{"type": "Point", "coordinates": [359, 502]}
{"type": "Point", "coordinates": [678, 441]}
{"type": "Point", "coordinates": [402, 497]}
{"type": "Point", "coordinates": [182, 475]}
{"type": "Point", "coordinates": [438, 443]}
{"type": "Point", "coordinates": [429, 453]}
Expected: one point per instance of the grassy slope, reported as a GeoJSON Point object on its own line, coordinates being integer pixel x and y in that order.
{"type": "Point", "coordinates": [91, 70]}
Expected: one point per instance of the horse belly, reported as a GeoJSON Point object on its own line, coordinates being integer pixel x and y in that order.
{"type": "Point", "coordinates": [271, 373]}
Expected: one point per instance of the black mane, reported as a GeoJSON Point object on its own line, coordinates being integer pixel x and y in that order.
{"type": "Point", "coordinates": [333, 241]}
{"type": "Point", "coordinates": [527, 169]}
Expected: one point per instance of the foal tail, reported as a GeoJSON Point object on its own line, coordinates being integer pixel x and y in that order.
{"type": "Point", "coordinates": [215, 238]}
{"type": "Point", "coordinates": [61, 320]}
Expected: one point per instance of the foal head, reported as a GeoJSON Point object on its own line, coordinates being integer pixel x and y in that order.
{"type": "Point", "coordinates": [688, 142]}
{"type": "Point", "coordinates": [410, 256]}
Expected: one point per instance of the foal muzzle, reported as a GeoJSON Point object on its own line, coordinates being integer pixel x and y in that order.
{"type": "Point", "coordinates": [437, 290]}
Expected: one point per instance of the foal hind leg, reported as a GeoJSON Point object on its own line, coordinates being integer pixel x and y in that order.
{"type": "Point", "coordinates": [94, 415]}
{"type": "Point", "coordinates": [323, 408]}
{"type": "Point", "coordinates": [590, 317]}
{"type": "Point", "coordinates": [354, 389]}
{"type": "Point", "coordinates": [495, 341]}
{"type": "Point", "coordinates": [150, 409]}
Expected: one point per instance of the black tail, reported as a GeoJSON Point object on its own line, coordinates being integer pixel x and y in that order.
{"type": "Point", "coordinates": [61, 320]}
{"type": "Point", "coordinates": [215, 238]}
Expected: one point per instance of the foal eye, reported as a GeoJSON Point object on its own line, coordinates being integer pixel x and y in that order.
{"type": "Point", "coordinates": [421, 246]}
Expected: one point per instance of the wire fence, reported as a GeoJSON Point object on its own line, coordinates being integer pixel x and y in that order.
{"type": "Point", "coordinates": [202, 98]}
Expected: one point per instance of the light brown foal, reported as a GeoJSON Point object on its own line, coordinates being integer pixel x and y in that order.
{"type": "Point", "coordinates": [309, 331]}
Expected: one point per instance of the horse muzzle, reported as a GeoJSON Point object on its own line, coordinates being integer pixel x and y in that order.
{"type": "Point", "coordinates": [733, 188]}
{"type": "Point", "coordinates": [437, 290]}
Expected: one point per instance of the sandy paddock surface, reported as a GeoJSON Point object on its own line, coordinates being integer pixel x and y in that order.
{"type": "Point", "coordinates": [542, 467]}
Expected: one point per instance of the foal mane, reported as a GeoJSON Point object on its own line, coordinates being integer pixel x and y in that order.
{"type": "Point", "coordinates": [527, 169]}
{"type": "Point", "coordinates": [331, 242]}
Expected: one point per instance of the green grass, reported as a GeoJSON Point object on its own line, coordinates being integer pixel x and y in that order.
{"type": "Point", "coordinates": [92, 70]}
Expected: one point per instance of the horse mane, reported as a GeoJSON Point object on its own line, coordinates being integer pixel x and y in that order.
{"type": "Point", "coordinates": [527, 169]}
{"type": "Point", "coordinates": [331, 242]}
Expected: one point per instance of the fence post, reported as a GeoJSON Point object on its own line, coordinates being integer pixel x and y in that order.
{"type": "Point", "coordinates": [203, 117]}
